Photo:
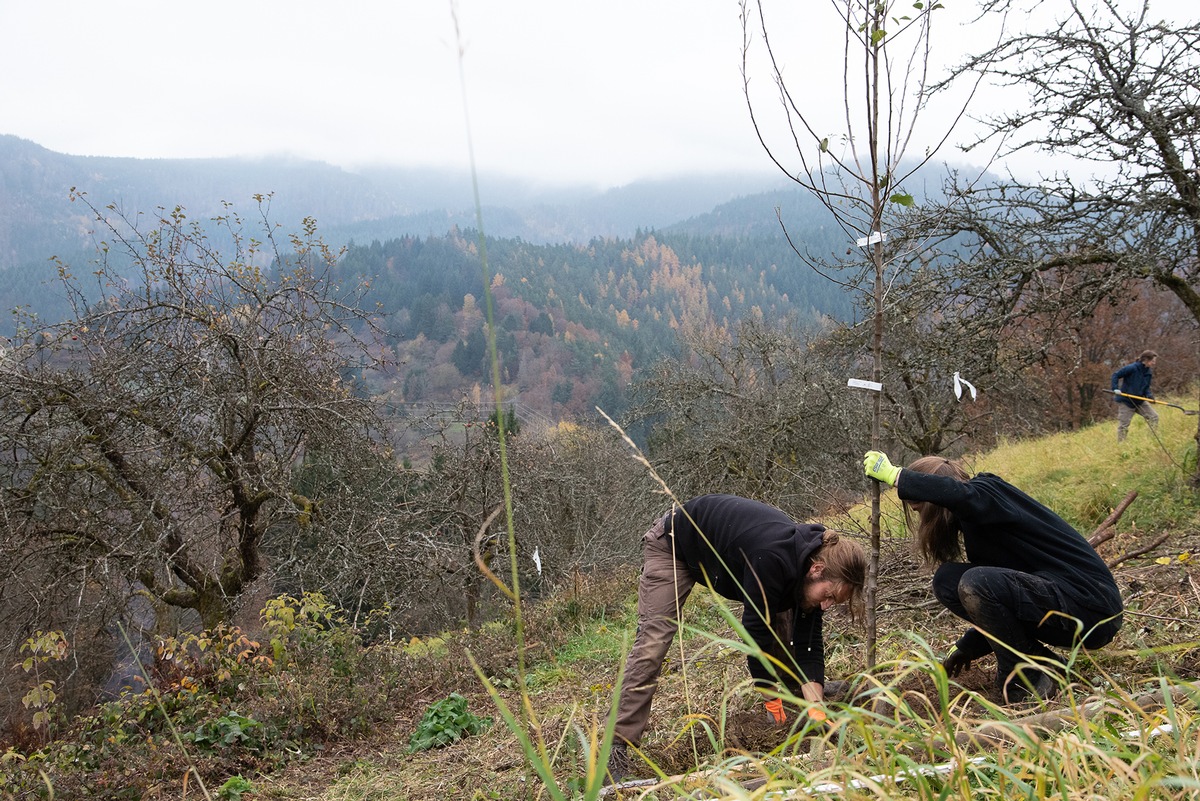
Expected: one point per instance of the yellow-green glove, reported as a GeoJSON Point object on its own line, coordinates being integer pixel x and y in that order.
{"type": "Point", "coordinates": [877, 466]}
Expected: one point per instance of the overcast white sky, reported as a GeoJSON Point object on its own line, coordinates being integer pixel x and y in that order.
{"type": "Point", "coordinates": [602, 91]}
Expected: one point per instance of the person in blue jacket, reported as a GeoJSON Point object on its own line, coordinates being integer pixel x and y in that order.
{"type": "Point", "coordinates": [1028, 580]}
{"type": "Point", "coordinates": [1134, 379]}
{"type": "Point", "coordinates": [750, 552]}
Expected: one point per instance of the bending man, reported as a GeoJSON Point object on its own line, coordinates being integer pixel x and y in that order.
{"type": "Point", "coordinates": [1030, 579]}
{"type": "Point", "coordinates": [749, 552]}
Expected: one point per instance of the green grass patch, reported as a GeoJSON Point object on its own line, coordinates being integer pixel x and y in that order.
{"type": "Point", "coordinates": [1084, 474]}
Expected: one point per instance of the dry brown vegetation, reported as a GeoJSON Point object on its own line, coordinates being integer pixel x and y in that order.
{"type": "Point", "coordinates": [704, 715]}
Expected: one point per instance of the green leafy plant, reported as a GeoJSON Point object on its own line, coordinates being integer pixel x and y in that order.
{"type": "Point", "coordinates": [445, 722]}
{"type": "Point", "coordinates": [233, 788]}
{"type": "Point", "coordinates": [295, 625]}
{"type": "Point", "coordinates": [231, 729]}
{"type": "Point", "coordinates": [43, 648]}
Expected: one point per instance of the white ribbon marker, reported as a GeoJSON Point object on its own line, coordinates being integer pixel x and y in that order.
{"type": "Point", "coordinates": [958, 385]}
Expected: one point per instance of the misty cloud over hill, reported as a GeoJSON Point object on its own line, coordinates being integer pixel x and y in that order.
{"type": "Point", "coordinates": [38, 221]}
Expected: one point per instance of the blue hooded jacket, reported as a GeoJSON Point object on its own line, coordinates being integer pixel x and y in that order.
{"type": "Point", "coordinates": [1135, 380]}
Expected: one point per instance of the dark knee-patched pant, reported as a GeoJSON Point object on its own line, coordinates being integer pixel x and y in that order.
{"type": "Point", "coordinates": [1022, 612]}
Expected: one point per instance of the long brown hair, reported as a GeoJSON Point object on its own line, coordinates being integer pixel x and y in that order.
{"type": "Point", "coordinates": [937, 529]}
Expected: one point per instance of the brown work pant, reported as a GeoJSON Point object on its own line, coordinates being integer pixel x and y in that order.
{"type": "Point", "coordinates": [662, 591]}
{"type": "Point", "coordinates": [1125, 417]}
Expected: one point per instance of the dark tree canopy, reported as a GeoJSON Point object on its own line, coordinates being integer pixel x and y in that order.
{"type": "Point", "coordinates": [1114, 89]}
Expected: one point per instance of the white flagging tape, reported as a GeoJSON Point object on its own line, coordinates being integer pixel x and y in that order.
{"type": "Point", "coordinates": [959, 383]}
{"type": "Point", "coordinates": [860, 384]}
{"type": "Point", "coordinates": [858, 784]}
{"type": "Point", "coordinates": [1136, 734]}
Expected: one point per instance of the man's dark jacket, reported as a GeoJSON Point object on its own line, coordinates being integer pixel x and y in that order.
{"type": "Point", "coordinates": [754, 553]}
{"type": "Point", "coordinates": [1136, 379]}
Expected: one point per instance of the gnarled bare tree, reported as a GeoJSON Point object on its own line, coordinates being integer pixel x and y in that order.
{"type": "Point", "coordinates": [754, 412]}
{"type": "Point", "coordinates": [153, 442]}
{"type": "Point", "coordinates": [1111, 88]}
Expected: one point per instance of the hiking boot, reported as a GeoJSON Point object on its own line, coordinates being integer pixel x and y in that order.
{"type": "Point", "coordinates": [1028, 686]}
{"type": "Point", "coordinates": [620, 764]}
{"type": "Point", "coordinates": [836, 690]}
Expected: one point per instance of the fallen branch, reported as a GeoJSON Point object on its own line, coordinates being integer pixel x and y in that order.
{"type": "Point", "coordinates": [1043, 723]}
{"type": "Point", "coordinates": [1104, 532]}
{"type": "Point", "coordinates": [1139, 551]}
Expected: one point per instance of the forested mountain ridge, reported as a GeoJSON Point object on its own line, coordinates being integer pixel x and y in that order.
{"type": "Point", "coordinates": [573, 321]}
{"type": "Point", "coordinates": [37, 219]}
{"type": "Point", "coordinates": [589, 286]}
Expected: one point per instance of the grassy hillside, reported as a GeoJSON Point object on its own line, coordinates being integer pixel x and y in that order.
{"type": "Point", "coordinates": [1083, 475]}
{"type": "Point", "coordinates": [703, 712]}
{"type": "Point", "coordinates": [354, 712]}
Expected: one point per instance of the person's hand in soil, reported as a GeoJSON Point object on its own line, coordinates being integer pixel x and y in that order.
{"type": "Point", "coordinates": [956, 662]}
{"type": "Point", "coordinates": [776, 711]}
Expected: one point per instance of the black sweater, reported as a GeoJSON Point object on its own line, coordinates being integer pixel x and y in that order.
{"type": "Point", "coordinates": [754, 553]}
{"type": "Point", "coordinates": [1003, 527]}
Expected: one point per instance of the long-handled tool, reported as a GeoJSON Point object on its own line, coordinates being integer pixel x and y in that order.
{"type": "Point", "coordinates": [1152, 400]}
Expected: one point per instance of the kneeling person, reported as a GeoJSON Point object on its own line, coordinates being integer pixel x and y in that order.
{"type": "Point", "coordinates": [1029, 579]}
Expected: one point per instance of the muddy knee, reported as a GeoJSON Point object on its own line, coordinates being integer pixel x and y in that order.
{"type": "Point", "coordinates": [969, 597]}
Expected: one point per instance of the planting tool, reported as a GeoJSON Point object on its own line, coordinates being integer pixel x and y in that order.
{"type": "Point", "coordinates": [1152, 400]}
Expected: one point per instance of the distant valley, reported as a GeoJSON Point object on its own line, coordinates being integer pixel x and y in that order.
{"type": "Point", "coordinates": [593, 286]}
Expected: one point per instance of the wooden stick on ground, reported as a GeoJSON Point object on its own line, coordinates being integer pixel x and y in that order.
{"type": "Point", "coordinates": [1105, 532]}
{"type": "Point", "coordinates": [1054, 720]}
{"type": "Point", "coordinates": [1139, 551]}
